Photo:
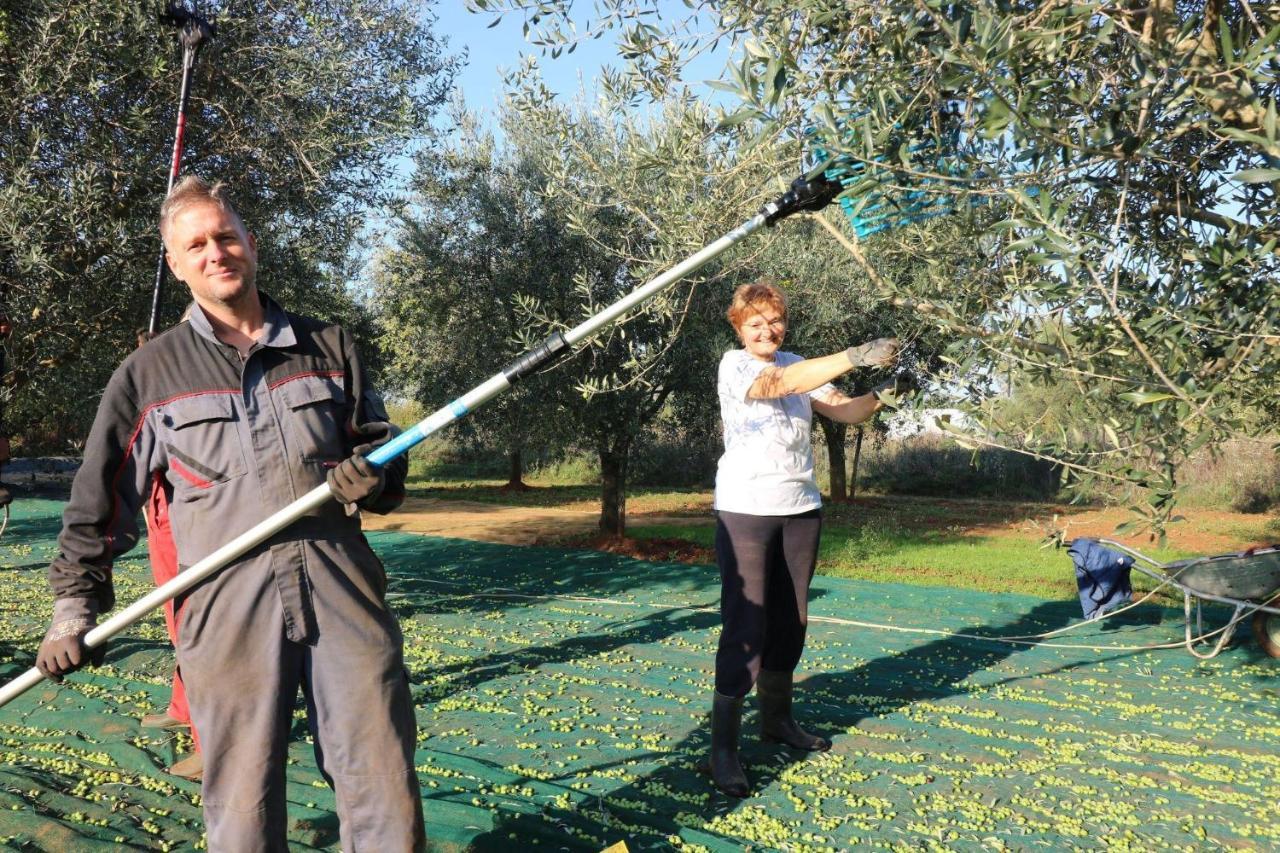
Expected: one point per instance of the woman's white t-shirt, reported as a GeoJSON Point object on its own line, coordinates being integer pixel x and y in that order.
{"type": "Point", "coordinates": [767, 466]}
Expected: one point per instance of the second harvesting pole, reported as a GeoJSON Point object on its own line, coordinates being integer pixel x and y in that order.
{"type": "Point", "coordinates": [194, 31]}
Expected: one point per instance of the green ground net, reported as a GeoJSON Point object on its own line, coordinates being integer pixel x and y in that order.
{"type": "Point", "coordinates": [562, 699]}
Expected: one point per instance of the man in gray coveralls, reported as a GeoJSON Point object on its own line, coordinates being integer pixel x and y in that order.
{"type": "Point", "coordinates": [236, 414]}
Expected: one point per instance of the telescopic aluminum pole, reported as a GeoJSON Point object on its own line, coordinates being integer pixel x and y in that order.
{"type": "Point", "coordinates": [194, 33]}
{"type": "Point", "coordinates": [807, 194]}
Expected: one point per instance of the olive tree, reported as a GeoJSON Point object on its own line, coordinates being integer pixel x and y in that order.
{"type": "Point", "coordinates": [1122, 159]}
{"type": "Point", "coordinates": [303, 106]}
{"type": "Point", "coordinates": [478, 238]}
{"type": "Point", "coordinates": [633, 190]}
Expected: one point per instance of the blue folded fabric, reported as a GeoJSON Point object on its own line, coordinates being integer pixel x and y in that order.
{"type": "Point", "coordinates": [1102, 576]}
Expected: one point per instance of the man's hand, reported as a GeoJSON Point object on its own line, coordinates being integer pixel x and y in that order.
{"type": "Point", "coordinates": [882, 352]}
{"type": "Point", "coordinates": [63, 649]}
{"type": "Point", "coordinates": [356, 479]}
{"type": "Point", "coordinates": [377, 433]}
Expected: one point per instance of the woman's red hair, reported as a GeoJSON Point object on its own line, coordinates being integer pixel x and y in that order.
{"type": "Point", "coordinates": [756, 298]}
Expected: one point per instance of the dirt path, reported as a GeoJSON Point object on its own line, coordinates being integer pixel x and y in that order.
{"type": "Point", "coordinates": [1209, 531]}
{"type": "Point", "coordinates": [509, 525]}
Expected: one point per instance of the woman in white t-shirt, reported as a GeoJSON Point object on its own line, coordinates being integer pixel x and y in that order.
{"type": "Point", "coordinates": [768, 517]}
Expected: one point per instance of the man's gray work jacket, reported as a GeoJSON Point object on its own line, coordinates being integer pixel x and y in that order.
{"type": "Point", "coordinates": [234, 439]}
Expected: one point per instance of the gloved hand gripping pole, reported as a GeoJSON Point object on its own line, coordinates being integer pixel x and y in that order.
{"type": "Point", "coordinates": [805, 194]}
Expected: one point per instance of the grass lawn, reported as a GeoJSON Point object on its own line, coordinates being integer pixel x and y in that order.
{"type": "Point", "coordinates": [983, 545]}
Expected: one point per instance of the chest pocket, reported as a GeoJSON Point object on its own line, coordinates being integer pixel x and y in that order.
{"type": "Point", "coordinates": [316, 411]}
{"type": "Point", "coordinates": [203, 442]}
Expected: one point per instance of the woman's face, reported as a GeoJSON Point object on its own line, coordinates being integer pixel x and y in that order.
{"type": "Point", "coordinates": [762, 333]}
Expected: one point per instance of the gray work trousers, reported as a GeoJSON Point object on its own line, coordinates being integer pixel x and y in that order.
{"type": "Point", "coordinates": [243, 673]}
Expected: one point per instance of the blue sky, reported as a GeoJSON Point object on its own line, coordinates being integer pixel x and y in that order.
{"type": "Point", "coordinates": [493, 50]}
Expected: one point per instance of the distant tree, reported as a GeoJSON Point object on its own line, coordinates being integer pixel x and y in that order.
{"type": "Point", "coordinates": [506, 242]}
{"type": "Point", "coordinates": [639, 215]}
{"type": "Point", "coordinates": [302, 105]}
{"type": "Point", "coordinates": [477, 239]}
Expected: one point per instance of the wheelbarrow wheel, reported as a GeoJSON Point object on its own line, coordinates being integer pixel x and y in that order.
{"type": "Point", "coordinates": [1266, 630]}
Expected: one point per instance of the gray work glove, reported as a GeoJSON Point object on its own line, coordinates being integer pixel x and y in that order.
{"type": "Point", "coordinates": [356, 480]}
{"type": "Point", "coordinates": [882, 352]}
{"type": "Point", "coordinates": [63, 650]}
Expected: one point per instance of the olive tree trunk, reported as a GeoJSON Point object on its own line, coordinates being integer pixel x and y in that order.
{"type": "Point", "coordinates": [835, 432]}
{"type": "Point", "coordinates": [614, 456]}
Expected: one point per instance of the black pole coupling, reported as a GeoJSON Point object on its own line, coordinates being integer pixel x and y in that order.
{"type": "Point", "coordinates": [543, 355]}
{"type": "Point", "coordinates": [809, 194]}
{"type": "Point", "coordinates": [195, 29]}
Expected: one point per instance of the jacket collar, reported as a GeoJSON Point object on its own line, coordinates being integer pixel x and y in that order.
{"type": "Point", "coordinates": [277, 332]}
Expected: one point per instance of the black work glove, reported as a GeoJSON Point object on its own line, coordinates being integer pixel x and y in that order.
{"type": "Point", "coordinates": [882, 352]}
{"type": "Point", "coordinates": [357, 480]}
{"type": "Point", "coordinates": [63, 650]}
{"type": "Point", "coordinates": [896, 390]}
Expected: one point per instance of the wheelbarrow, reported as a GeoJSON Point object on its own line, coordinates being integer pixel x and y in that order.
{"type": "Point", "coordinates": [1249, 581]}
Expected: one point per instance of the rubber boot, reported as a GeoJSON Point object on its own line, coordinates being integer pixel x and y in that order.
{"type": "Point", "coordinates": [776, 722]}
{"type": "Point", "coordinates": [726, 724]}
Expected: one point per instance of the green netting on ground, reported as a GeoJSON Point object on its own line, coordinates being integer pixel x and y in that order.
{"type": "Point", "coordinates": [562, 696]}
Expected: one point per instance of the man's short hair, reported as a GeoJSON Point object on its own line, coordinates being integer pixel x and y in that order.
{"type": "Point", "coordinates": [190, 190]}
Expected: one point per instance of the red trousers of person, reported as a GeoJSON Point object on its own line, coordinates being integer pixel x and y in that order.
{"type": "Point", "coordinates": [164, 567]}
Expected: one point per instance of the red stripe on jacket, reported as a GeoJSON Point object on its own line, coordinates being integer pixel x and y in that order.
{"type": "Point", "coordinates": [329, 374]}
{"type": "Point", "coordinates": [187, 474]}
{"type": "Point", "coordinates": [128, 451]}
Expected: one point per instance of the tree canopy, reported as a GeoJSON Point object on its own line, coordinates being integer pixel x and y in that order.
{"type": "Point", "coordinates": [475, 243]}
{"type": "Point", "coordinates": [588, 223]}
{"type": "Point", "coordinates": [302, 106]}
{"type": "Point", "coordinates": [1117, 163]}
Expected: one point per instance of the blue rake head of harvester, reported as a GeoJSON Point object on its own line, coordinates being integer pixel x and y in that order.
{"type": "Point", "coordinates": [887, 197]}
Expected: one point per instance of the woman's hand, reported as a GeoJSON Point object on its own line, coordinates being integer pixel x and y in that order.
{"type": "Point", "coordinates": [895, 391]}
{"type": "Point", "coordinates": [882, 352]}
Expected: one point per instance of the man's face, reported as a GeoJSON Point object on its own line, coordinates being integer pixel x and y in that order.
{"type": "Point", "coordinates": [209, 249]}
